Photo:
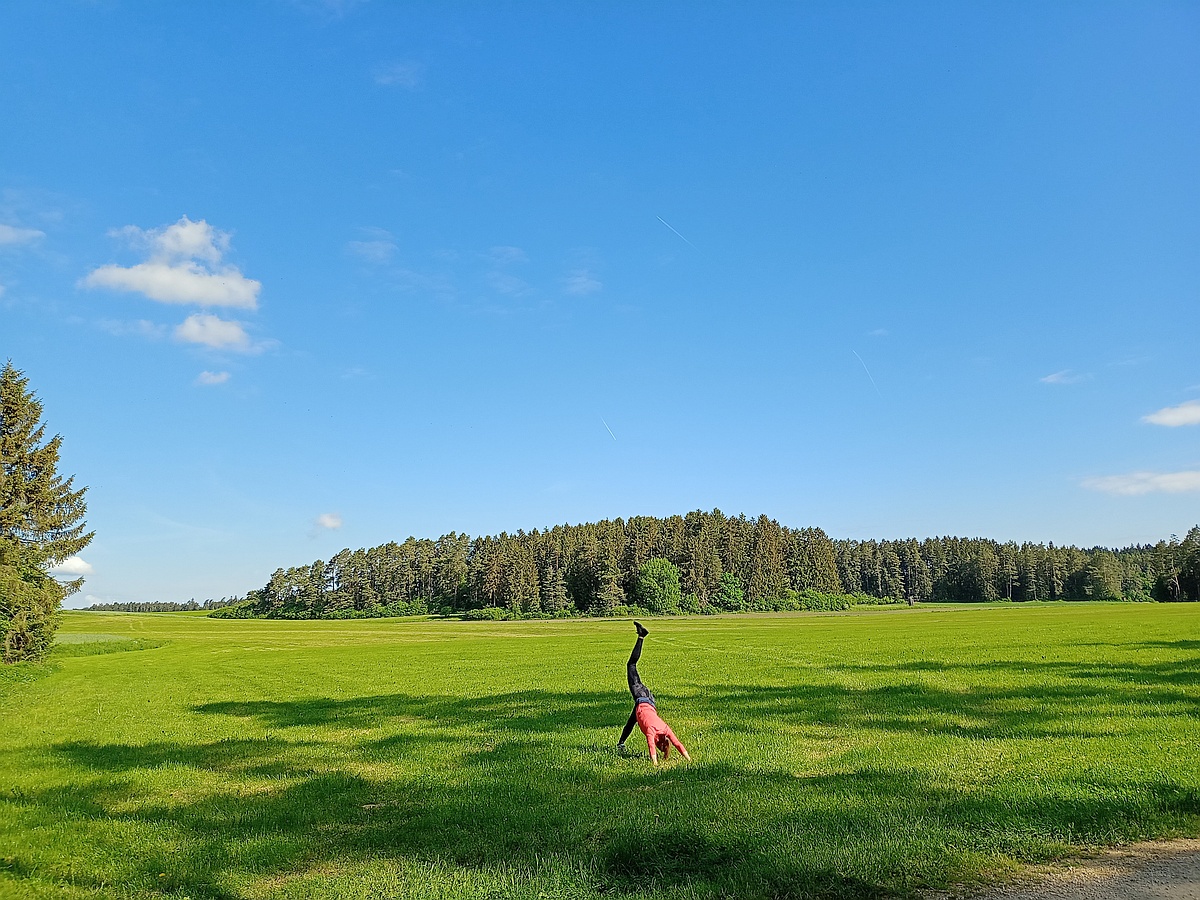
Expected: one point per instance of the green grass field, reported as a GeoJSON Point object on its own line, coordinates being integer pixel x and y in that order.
{"type": "Point", "coordinates": [857, 755]}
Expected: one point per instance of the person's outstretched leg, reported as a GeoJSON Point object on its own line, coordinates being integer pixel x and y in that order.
{"type": "Point", "coordinates": [636, 687]}
{"type": "Point", "coordinates": [635, 682]}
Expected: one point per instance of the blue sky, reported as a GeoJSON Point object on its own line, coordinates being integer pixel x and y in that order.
{"type": "Point", "coordinates": [291, 277]}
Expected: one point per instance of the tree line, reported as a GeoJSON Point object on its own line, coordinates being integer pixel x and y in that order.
{"type": "Point", "coordinates": [162, 605]}
{"type": "Point", "coordinates": [707, 562]}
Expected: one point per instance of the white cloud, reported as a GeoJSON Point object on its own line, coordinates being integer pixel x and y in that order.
{"type": "Point", "coordinates": [1173, 416]}
{"type": "Point", "coordinates": [878, 332]}
{"type": "Point", "coordinates": [183, 266]}
{"type": "Point", "coordinates": [407, 75]}
{"type": "Point", "coordinates": [209, 378]}
{"type": "Point", "coordinates": [581, 282]}
{"type": "Point", "coordinates": [72, 565]}
{"type": "Point", "coordinates": [220, 334]}
{"type": "Point", "coordinates": [183, 240]}
{"type": "Point", "coordinates": [184, 282]}
{"type": "Point", "coordinates": [1066, 376]}
{"type": "Point", "coordinates": [332, 521]}
{"type": "Point", "coordinates": [11, 235]}
{"type": "Point", "coordinates": [1137, 483]}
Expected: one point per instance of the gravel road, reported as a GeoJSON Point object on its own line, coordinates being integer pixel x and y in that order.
{"type": "Point", "coordinates": [1161, 870]}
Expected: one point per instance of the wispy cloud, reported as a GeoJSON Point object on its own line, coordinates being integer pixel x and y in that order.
{"type": "Point", "coordinates": [506, 283]}
{"type": "Point", "coordinates": [378, 246]}
{"type": "Point", "coordinates": [329, 521]}
{"type": "Point", "coordinates": [504, 256]}
{"type": "Point", "coordinates": [73, 566]}
{"type": "Point", "coordinates": [414, 281]}
{"type": "Point", "coordinates": [1066, 376]}
{"type": "Point", "coordinates": [212, 378]}
{"type": "Point", "coordinates": [1137, 483]}
{"type": "Point", "coordinates": [12, 235]}
{"type": "Point", "coordinates": [219, 334]}
{"type": "Point", "coordinates": [377, 252]}
{"type": "Point", "coordinates": [499, 277]}
{"type": "Point", "coordinates": [328, 9]}
{"type": "Point", "coordinates": [1173, 416]}
{"type": "Point", "coordinates": [138, 328]}
{"type": "Point", "coordinates": [581, 282]}
{"type": "Point", "coordinates": [183, 265]}
{"type": "Point", "coordinates": [406, 74]}
{"type": "Point", "coordinates": [877, 332]}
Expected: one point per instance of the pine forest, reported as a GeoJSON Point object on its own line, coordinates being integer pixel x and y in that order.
{"type": "Point", "coordinates": [707, 562]}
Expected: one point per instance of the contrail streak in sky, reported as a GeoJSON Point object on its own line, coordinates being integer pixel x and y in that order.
{"type": "Point", "coordinates": [614, 437]}
{"type": "Point", "coordinates": [685, 240]}
{"type": "Point", "coordinates": [868, 371]}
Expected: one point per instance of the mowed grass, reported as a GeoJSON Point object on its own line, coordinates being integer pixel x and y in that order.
{"type": "Point", "coordinates": [857, 755]}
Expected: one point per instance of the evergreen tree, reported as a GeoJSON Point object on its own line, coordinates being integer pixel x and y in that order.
{"type": "Point", "coordinates": [450, 575]}
{"type": "Point", "coordinates": [520, 588]}
{"type": "Point", "coordinates": [1189, 569]}
{"type": "Point", "coordinates": [700, 573]}
{"type": "Point", "coordinates": [41, 522]}
{"type": "Point", "coordinates": [893, 572]}
{"type": "Point", "coordinates": [554, 591]}
{"type": "Point", "coordinates": [849, 566]}
{"type": "Point", "coordinates": [767, 579]}
{"type": "Point", "coordinates": [1008, 569]}
{"type": "Point", "coordinates": [918, 583]}
{"type": "Point", "coordinates": [813, 562]}
{"type": "Point", "coordinates": [1102, 577]}
{"type": "Point", "coordinates": [1033, 586]}
{"type": "Point", "coordinates": [609, 597]}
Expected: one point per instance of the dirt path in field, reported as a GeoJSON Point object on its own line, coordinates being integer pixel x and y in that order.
{"type": "Point", "coordinates": [1161, 870]}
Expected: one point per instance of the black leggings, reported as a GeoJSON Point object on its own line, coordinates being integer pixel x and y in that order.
{"type": "Point", "coordinates": [639, 690]}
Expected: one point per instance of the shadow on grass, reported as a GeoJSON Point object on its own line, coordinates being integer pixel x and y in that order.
{"type": "Point", "coordinates": [530, 711]}
{"type": "Point", "coordinates": [502, 782]}
{"type": "Point", "coordinates": [1172, 645]}
{"type": "Point", "coordinates": [743, 834]}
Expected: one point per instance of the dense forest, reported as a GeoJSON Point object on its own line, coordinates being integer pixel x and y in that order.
{"type": "Point", "coordinates": [707, 562]}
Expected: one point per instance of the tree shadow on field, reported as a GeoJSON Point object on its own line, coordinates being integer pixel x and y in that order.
{"type": "Point", "coordinates": [505, 782]}
{"type": "Point", "coordinates": [1062, 699]}
{"type": "Point", "coordinates": [533, 712]}
{"type": "Point", "coordinates": [1172, 645]}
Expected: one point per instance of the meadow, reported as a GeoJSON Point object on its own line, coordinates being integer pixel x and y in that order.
{"type": "Point", "coordinates": [866, 754]}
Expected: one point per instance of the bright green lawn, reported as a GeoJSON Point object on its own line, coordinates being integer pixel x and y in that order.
{"type": "Point", "coordinates": [854, 755]}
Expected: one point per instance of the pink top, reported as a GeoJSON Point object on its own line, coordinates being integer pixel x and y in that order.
{"type": "Point", "coordinates": [659, 735]}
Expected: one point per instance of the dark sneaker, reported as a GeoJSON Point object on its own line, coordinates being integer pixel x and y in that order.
{"type": "Point", "coordinates": [642, 632]}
